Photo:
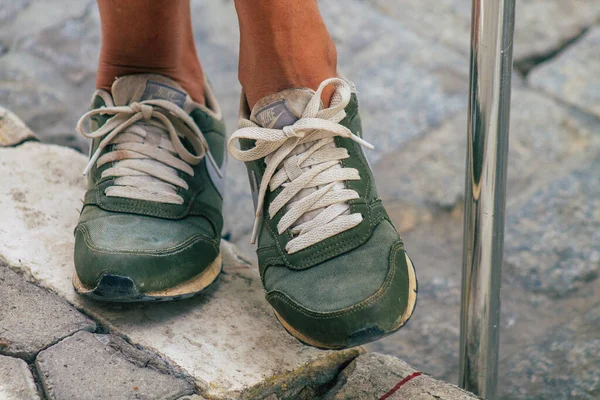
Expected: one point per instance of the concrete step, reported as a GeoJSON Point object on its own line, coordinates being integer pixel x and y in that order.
{"type": "Point", "coordinates": [228, 339]}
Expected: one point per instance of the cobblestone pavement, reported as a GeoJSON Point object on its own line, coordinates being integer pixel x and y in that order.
{"type": "Point", "coordinates": [409, 60]}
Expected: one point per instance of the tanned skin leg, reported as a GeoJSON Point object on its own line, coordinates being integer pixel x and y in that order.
{"type": "Point", "coordinates": [141, 36]}
{"type": "Point", "coordinates": [283, 44]}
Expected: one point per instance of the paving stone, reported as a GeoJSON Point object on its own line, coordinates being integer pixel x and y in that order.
{"type": "Point", "coordinates": [72, 47]}
{"type": "Point", "coordinates": [573, 75]}
{"type": "Point", "coordinates": [90, 366]}
{"type": "Point", "coordinates": [222, 30]}
{"type": "Point", "coordinates": [564, 363]}
{"type": "Point", "coordinates": [373, 375]}
{"type": "Point", "coordinates": [22, 18]}
{"type": "Point", "coordinates": [406, 84]}
{"type": "Point", "coordinates": [427, 175]}
{"type": "Point", "coordinates": [34, 90]}
{"type": "Point", "coordinates": [32, 319]}
{"type": "Point", "coordinates": [10, 9]}
{"type": "Point", "coordinates": [29, 87]}
{"type": "Point", "coordinates": [422, 185]}
{"type": "Point", "coordinates": [568, 19]}
{"type": "Point", "coordinates": [12, 130]}
{"type": "Point", "coordinates": [227, 339]}
{"type": "Point", "coordinates": [449, 22]}
{"type": "Point", "coordinates": [47, 78]}
{"type": "Point", "coordinates": [430, 341]}
{"type": "Point", "coordinates": [16, 381]}
{"type": "Point", "coordinates": [39, 94]}
{"type": "Point", "coordinates": [553, 239]}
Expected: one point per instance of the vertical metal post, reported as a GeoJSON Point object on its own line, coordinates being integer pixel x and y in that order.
{"type": "Point", "coordinates": [489, 105]}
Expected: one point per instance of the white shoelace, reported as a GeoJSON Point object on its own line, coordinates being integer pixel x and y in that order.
{"type": "Point", "coordinates": [303, 156]}
{"type": "Point", "coordinates": [146, 145]}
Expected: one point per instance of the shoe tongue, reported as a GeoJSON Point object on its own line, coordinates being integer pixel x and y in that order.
{"type": "Point", "coordinates": [142, 87]}
{"type": "Point", "coordinates": [281, 109]}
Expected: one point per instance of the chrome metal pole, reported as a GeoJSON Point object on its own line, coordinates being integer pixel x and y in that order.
{"type": "Point", "coordinates": [492, 28]}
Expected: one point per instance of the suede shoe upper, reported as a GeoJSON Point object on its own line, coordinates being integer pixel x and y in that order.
{"type": "Point", "coordinates": [333, 266]}
{"type": "Point", "coordinates": [152, 212]}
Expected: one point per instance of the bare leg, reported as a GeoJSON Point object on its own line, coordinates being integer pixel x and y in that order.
{"type": "Point", "coordinates": [283, 44]}
{"type": "Point", "coordinates": [141, 36]}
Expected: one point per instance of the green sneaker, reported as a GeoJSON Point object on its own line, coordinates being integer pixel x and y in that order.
{"type": "Point", "coordinates": [151, 220]}
{"type": "Point", "coordinates": [332, 264]}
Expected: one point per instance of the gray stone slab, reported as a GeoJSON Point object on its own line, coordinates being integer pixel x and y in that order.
{"type": "Point", "coordinates": [10, 9]}
{"type": "Point", "coordinates": [430, 342]}
{"type": "Point", "coordinates": [32, 319]}
{"type": "Point", "coordinates": [427, 175]}
{"type": "Point", "coordinates": [422, 185]}
{"type": "Point", "coordinates": [374, 375]}
{"type": "Point", "coordinates": [449, 22]}
{"type": "Point", "coordinates": [35, 90]}
{"type": "Point", "coordinates": [22, 18]}
{"type": "Point", "coordinates": [553, 240]}
{"type": "Point", "coordinates": [406, 84]}
{"type": "Point", "coordinates": [573, 75]}
{"type": "Point", "coordinates": [47, 77]}
{"type": "Point", "coordinates": [228, 339]}
{"type": "Point", "coordinates": [16, 381]}
{"type": "Point", "coordinates": [215, 23]}
{"type": "Point", "coordinates": [31, 88]}
{"type": "Point", "coordinates": [71, 46]}
{"type": "Point", "coordinates": [90, 366]}
{"type": "Point", "coordinates": [562, 364]}
{"type": "Point", "coordinates": [568, 19]}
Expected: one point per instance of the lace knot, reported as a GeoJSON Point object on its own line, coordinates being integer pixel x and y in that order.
{"type": "Point", "coordinates": [145, 109]}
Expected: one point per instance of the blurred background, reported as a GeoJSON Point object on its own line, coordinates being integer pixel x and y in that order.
{"type": "Point", "coordinates": [409, 60]}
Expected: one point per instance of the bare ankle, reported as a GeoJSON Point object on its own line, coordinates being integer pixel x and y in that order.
{"type": "Point", "coordinates": [288, 47]}
{"type": "Point", "coordinates": [159, 42]}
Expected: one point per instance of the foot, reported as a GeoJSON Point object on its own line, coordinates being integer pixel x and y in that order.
{"type": "Point", "coordinates": [333, 266]}
{"type": "Point", "coordinates": [151, 221]}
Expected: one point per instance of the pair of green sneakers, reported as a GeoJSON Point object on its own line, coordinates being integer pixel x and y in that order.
{"type": "Point", "coordinates": [333, 266]}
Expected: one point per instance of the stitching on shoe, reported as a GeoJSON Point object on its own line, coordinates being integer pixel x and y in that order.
{"type": "Point", "coordinates": [139, 205]}
{"type": "Point", "coordinates": [165, 252]}
{"type": "Point", "coordinates": [344, 244]}
{"type": "Point", "coordinates": [352, 309]}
